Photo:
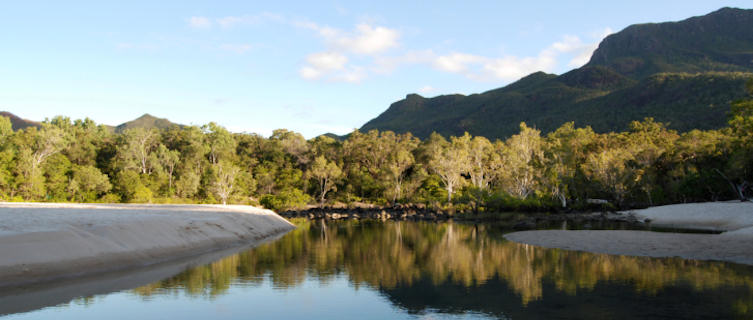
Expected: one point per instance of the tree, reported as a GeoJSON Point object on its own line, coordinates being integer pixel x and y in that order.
{"type": "Point", "coordinates": [325, 173]}
{"type": "Point", "coordinates": [136, 150]}
{"type": "Point", "coordinates": [483, 162]}
{"type": "Point", "coordinates": [87, 137]}
{"type": "Point", "coordinates": [187, 185]}
{"type": "Point", "coordinates": [88, 184]}
{"type": "Point", "coordinates": [292, 143]}
{"type": "Point", "coordinates": [566, 149]}
{"type": "Point", "coordinates": [35, 147]}
{"type": "Point", "coordinates": [448, 161]}
{"type": "Point", "coordinates": [220, 141]}
{"type": "Point", "coordinates": [649, 141]}
{"type": "Point", "coordinates": [169, 160]}
{"type": "Point", "coordinates": [224, 182]}
{"type": "Point", "coordinates": [399, 160]}
{"type": "Point", "coordinates": [609, 169]}
{"type": "Point", "coordinates": [265, 178]}
{"type": "Point", "coordinates": [740, 171]}
{"type": "Point", "coordinates": [522, 154]}
{"type": "Point", "coordinates": [7, 153]}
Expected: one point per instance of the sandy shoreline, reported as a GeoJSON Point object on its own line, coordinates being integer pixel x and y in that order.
{"type": "Point", "coordinates": [42, 241]}
{"type": "Point", "coordinates": [735, 244]}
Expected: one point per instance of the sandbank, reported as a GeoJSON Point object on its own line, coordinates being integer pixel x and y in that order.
{"type": "Point", "coordinates": [44, 241]}
{"type": "Point", "coordinates": [734, 244]}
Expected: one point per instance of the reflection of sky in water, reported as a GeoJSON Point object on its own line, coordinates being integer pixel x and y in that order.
{"type": "Point", "coordinates": [337, 299]}
{"type": "Point", "coordinates": [395, 270]}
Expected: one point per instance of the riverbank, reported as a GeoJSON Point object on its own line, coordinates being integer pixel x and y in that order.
{"type": "Point", "coordinates": [421, 212]}
{"type": "Point", "coordinates": [42, 241]}
{"type": "Point", "coordinates": [734, 244]}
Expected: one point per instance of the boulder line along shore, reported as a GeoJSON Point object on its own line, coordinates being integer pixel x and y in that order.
{"type": "Point", "coordinates": [43, 241]}
{"type": "Point", "coordinates": [734, 244]}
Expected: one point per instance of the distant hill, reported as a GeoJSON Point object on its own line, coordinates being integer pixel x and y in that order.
{"type": "Point", "coordinates": [17, 122]}
{"type": "Point", "coordinates": [685, 73]}
{"type": "Point", "coordinates": [146, 121]}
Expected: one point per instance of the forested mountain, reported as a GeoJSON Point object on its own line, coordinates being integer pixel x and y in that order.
{"type": "Point", "coordinates": [683, 73]}
{"type": "Point", "coordinates": [17, 122]}
{"type": "Point", "coordinates": [146, 121]}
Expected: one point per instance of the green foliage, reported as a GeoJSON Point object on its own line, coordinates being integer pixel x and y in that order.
{"type": "Point", "coordinates": [88, 184]}
{"type": "Point", "coordinates": [291, 198]}
{"type": "Point", "coordinates": [649, 164]}
{"type": "Point", "coordinates": [141, 194]}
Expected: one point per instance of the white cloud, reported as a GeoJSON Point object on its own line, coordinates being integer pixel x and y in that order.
{"type": "Point", "coordinates": [365, 39]}
{"type": "Point", "coordinates": [227, 22]}
{"type": "Point", "coordinates": [352, 55]}
{"type": "Point", "coordinates": [199, 22]}
{"type": "Point", "coordinates": [327, 60]}
{"type": "Point", "coordinates": [370, 40]}
{"type": "Point", "coordinates": [330, 66]}
{"type": "Point", "coordinates": [426, 89]}
{"type": "Point", "coordinates": [353, 75]}
{"type": "Point", "coordinates": [457, 62]}
{"type": "Point", "coordinates": [231, 21]}
{"type": "Point", "coordinates": [238, 48]}
{"type": "Point", "coordinates": [387, 64]}
{"type": "Point", "coordinates": [512, 67]}
{"type": "Point", "coordinates": [309, 73]}
{"type": "Point", "coordinates": [584, 55]}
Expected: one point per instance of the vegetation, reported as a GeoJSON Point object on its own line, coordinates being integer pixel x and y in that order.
{"type": "Point", "coordinates": [683, 74]}
{"type": "Point", "coordinates": [64, 160]}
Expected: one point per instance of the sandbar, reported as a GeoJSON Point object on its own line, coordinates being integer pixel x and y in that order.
{"type": "Point", "coordinates": [733, 244]}
{"type": "Point", "coordinates": [45, 241]}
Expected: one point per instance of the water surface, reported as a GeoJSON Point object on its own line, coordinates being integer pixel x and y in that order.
{"type": "Point", "coordinates": [406, 270]}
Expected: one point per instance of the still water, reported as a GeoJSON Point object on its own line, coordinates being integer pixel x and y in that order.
{"type": "Point", "coordinates": [409, 270]}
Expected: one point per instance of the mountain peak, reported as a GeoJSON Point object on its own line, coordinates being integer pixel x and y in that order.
{"type": "Point", "coordinates": [146, 121]}
{"type": "Point", "coordinates": [718, 41]}
{"type": "Point", "coordinates": [146, 116]}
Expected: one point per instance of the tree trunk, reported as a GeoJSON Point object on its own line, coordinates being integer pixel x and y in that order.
{"type": "Point", "coordinates": [563, 200]}
{"type": "Point", "coordinates": [737, 188]}
{"type": "Point", "coordinates": [322, 185]}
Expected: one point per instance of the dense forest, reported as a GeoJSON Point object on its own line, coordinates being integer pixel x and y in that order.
{"type": "Point", "coordinates": [80, 161]}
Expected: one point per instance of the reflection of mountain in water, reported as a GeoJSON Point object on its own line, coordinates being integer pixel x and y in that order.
{"type": "Point", "coordinates": [463, 268]}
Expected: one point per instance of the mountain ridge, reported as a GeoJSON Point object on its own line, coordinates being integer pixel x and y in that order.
{"type": "Point", "coordinates": [146, 120]}
{"type": "Point", "coordinates": [610, 90]}
{"type": "Point", "coordinates": [18, 123]}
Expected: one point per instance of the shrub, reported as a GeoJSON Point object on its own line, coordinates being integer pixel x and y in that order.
{"type": "Point", "coordinates": [291, 198]}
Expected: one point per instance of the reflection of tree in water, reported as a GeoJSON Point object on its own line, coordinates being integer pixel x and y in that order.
{"type": "Point", "coordinates": [396, 256]}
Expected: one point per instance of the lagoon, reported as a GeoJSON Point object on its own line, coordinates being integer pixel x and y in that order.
{"type": "Point", "coordinates": [422, 270]}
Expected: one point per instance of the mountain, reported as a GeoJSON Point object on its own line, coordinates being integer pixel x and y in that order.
{"type": "Point", "coordinates": [685, 73]}
{"type": "Point", "coordinates": [146, 121]}
{"type": "Point", "coordinates": [17, 122]}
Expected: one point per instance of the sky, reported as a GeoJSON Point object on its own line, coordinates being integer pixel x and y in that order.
{"type": "Point", "coordinates": [310, 66]}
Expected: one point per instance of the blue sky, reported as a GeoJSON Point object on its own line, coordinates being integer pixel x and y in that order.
{"type": "Point", "coordinates": [312, 67]}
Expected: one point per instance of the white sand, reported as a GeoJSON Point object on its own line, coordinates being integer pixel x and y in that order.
{"type": "Point", "coordinates": [40, 241]}
{"type": "Point", "coordinates": [735, 244]}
